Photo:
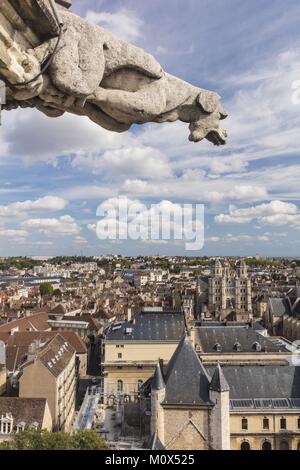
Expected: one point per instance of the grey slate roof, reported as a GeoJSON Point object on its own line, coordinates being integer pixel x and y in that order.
{"type": "Point", "coordinates": [279, 307]}
{"type": "Point", "coordinates": [247, 382]}
{"type": "Point", "coordinates": [149, 327]}
{"type": "Point", "coordinates": [187, 381]}
{"type": "Point", "coordinates": [218, 382]}
{"type": "Point", "coordinates": [158, 382]}
{"type": "Point", "coordinates": [227, 337]}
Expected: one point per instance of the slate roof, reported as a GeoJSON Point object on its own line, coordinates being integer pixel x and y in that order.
{"type": "Point", "coordinates": [187, 381]}
{"type": "Point", "coordinates": [149, 327]}
{"type": "Point", "coordinates": [227, 337]}
{"type": "Point", "coordinates": [279, 307]}
{"type": "Point", "coordinates": [218, 382]}
{"type": "Point", "coordinates": [27, 410]}
{"type": "Point", "coordinates": [158, 382]}
{"type": "Point", "coordinates": [261, 381]}
{"type": "Point", "coordinates": [296, 308]}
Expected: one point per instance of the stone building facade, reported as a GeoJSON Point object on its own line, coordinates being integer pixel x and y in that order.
{"type": "Point", "coordinates": [230, 291]}
{"type": "Point", "coordinates": [248, 407]}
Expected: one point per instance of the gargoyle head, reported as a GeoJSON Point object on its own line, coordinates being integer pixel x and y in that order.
{"type": "Point", "coordinates": [208, 125]}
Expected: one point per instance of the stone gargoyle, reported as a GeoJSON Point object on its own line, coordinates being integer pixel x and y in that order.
{"type": "Point", "coordinates": [114, 83]}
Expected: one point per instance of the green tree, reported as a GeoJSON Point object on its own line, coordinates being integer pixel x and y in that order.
{"type": "Point", "coordinates": [31, 439]}
{"type": "Point", "coordinates": [46, 289]}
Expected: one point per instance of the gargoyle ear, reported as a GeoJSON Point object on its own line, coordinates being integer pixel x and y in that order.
{"type": "Point", "coordinates": [208, 101]}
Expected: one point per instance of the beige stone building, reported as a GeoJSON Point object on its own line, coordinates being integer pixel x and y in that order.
{"type": "Point", "coordinates": [230, 292]}
{"type": "Point", "coordinates": [2, 379]}
{"type": "Point", "coordinates": [248, 407]}
{"type": "Point", "coordinates": [52, 375]}
{"type": "Point", "coordinates": [131, 350]}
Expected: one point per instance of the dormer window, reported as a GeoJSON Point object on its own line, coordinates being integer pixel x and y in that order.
{"type": "Point", "coordinates": [218, 347]}
{"type": "Point", "coordinates": [257, 346]}
{"type": "Point", "coordinates": [34, 425]}
{"type": "Point", "coordinates": [198, 348]}
{"type": "Point", "coordinates": [6, 424]}
{"type": "Point", "coordinates": [237, 347]}
{"type": "Point", "coordinates": [21, 426]}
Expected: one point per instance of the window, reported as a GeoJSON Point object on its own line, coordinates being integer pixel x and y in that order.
{"type": "Point", "coordinates": [284, 445]}
{"type": "Point", "coordinates": [119, 355]}
{"type": "Point", "coordinates": [245, 446]}
{"type": "Point", "coordinates": [298, 446]}
{"type": "Point", "coordinates": [266, 424]}
{"type": "Point", "coordinates": [282, 423]}
{"type": "Point", "coordinates": [120, 386]}
{"type": "Point", "coordinates": [245, 424]}
{"type": "Point", "coordinates": [267, 445]}
{"type": "Point", "coordinates": [299, 423]}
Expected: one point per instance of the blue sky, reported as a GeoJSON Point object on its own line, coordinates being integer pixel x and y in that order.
{"type": "Point", "coordinates": [55, 173]}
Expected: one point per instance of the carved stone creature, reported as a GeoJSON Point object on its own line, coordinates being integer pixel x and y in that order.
{"type": "Point", "coordinates": [116, 85]}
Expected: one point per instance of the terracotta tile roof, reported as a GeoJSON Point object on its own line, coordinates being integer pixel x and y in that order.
{"type": "Point", "coordinates": [26, 338]}
{"type": "Point", "coordinates": [56, 355]}
{"type": "Point", "coordinates": [36, 322]}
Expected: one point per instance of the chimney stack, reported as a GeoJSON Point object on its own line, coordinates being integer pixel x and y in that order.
{"type": "Point", "coordinates": [129, 314]}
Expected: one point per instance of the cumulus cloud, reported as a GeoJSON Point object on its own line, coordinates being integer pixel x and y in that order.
{"type": "Point", "coordinates": [65, 225]}
{"type": "Point", "coordinates": [273, 213]}
{"type": "Point", "coordinates": [139, 161]}
{"type": "Point", "coordinates": [44, 204]}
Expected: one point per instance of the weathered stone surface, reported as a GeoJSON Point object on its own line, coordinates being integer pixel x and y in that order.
{"type": "Point", "coordinates": [112, 82]}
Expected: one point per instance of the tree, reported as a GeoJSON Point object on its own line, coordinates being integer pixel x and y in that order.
{"type": "Point", "coordinates": [46, 289]}
{"type": "Point", "coordinates": [31, 439]}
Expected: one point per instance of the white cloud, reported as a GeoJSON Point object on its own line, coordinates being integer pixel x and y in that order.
{"type": "Point", "coordinates": [124, 24]}
{"type": "Point", "coordinates": [146, 162]}
{"type": "Point", "coordinates": [13, 233]}
{"type": "Point", "coordinates": [273, 213]}
{"type": "Point", "coordinates": [80, 241]}
{"type": "Point", "coordinates": [44, 204]}
{"type": "Point", "coordinates": [65, 225]}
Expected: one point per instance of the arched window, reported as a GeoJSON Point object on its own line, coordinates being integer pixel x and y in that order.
{"type": "Point", "coordinates": [267, 445]}
{"type": "Point", "coordinates": [245, 445]}
{"type": "Point", "coordinates": [282, 423]}
{"type": "Point", "coordinates": [244, 424]}
{"type": "Point", "coordinates": [266, 424]}
{"type": "Point", "coordinates": [284, 445]}
{"type": "Point", "coordinates": [120, 386]}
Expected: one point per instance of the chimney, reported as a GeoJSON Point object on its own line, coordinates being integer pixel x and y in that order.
{"type": "Point", "coordinates": [129, 314]}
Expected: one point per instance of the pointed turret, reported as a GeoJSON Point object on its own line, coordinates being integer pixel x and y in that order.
{"type": "Point", "coordinates": [218, 382]}
{"type": "Point", "coordinates": [158, 382]}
